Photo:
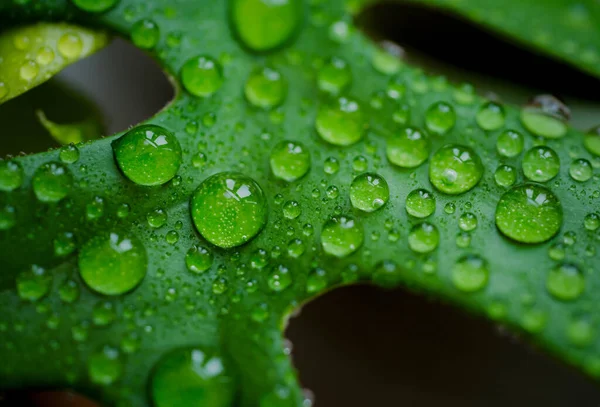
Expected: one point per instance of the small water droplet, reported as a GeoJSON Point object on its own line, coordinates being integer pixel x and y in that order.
{"type": "Point", "coordinates": [341, 236]}
{"type": "Point", "coordinates": [470, 273]}
{"type": "Point", "coordinates": [592, 221]}
{"type": "Point", "coordinates": [11, 175]}
{"type": "Point", "coordinates": [291, 209]}
{"type": "Point", "coordinates": [335, 76]}
{"type": "Point", "coordinates": [541, 164]}
{"type": "Point", "coordinates": [455, 169]}
{"type": "Point", "coordinates": [289, 160]}
{"type": "Point", "coordinates": [546, 116]}
{"type": "Point", "coordinates": [341, 122]}
{"type": "Point", "coordinates": [407, 148]}
{"type": "Point", "coordinates": [279, 279]}
{"type": "Point", "coordinates": [105, 367]}
{"type": "Point", "coordinates": [420, 203]}
{"type": "Point", "coordinates": [423, 238]}
{"type": "Point", "coordinates": [565, 282]}
{"type": "Point", "coordinates": [265, 88]}
{"type": "Point", "coordinates": [491, 116]}
{"type": "Point", "coordinates": [145, 34]}
{"type": "Point", "coordinates": [505, 176]}
{"type": "Point", "coordinates": [440, 118]}
{"type": "Point", "coordinates": [70, 45]}
{"type": "Point", "coordinates": [467, 222]}
{"type": "Point", "coordinates": [369, 192]}
{"type": "Point", "coordinates": [156, 218]}
{"type": "Point", "coordinates": [202, 76]}
{"type": "Point", "coordinates": [33, 284]}
{"type": "Point", "coordinates": [581, 170]}
{"type": "Point", "coordinates": [510, 143]}
{"type": "Point", "coordinates": [69, 154]}
{"type": "Point", "coordinates": [52, 182]}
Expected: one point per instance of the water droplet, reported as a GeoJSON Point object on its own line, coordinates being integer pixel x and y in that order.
{"type": "Point", "coordinates": [148, 155]}
{"type": "Point", "coordinates": [369, 192]}
{"type": "Point", "coordinates": [529, 213]}
{"type": "Point", "coordinates": [341, 236]}
{"type": "Point", "coordinates": [295, 248]}
{"type": "Point", "coordinates": [70, 45]}
{"type": "Point", "coordinates": [229, 209]}
{"type": "Point", "coordinates": [29, 70]}
{"type": "Point", "coordinates": [69, 154]}
{"type": "Point", "coordinates": [470, 273]}
{"type": "Point", "coordinates": [95, 6]}
{"type": "Point", "coordinates": [64, 244]}
{"type": "Point", "coordinates": [45, 56]}
{"type": "Point", "coordinates": [265, 88]}
{"type": "Point", "coordinates": [113, 263]}
{"type": "Point", "coordinates": [581, 170]}
{"type": "Point", "coordinates": [491, 116]}
{"type": "Point", "coordinates": [557, 252]}
{"type": "Point", "coordinates": [8, 217]}
{"type": "Point", "coordinates": [291, 209]}
{"type": "Point", "coordinates": [172, 237]}
{"type": "Point", "coordinates": [202, 76]}
{"type": "Point", "coordinates": [105, 367]}
{"type": "Point", "coordinates": [402, 114]}
{"type": "Point", "coordinates": [505, 176]}
{"type": "Point", "coordinates": [423, 238]}
{"type": "Point", "coordinates": [467, 222]}
{"type": "Point", "coordinates": [546, 116]}
{"type": "Point", "coordinates": [510, 143]}
{"type": "Point", "coordinates": [33, 284]}
{"type": "Point", "coordinates": [580, 332]}
{"type": "Point", "coordinates": [565, 282]}
{"type": "Point", "coordinates": [455, 169]}
{"type": "Point", "coordinates": [420, 203]}
{"type": "Point", "coordinates": [387, 274]}
{"type": "Point", "coordinates": [123, 211]}
{"type": "Point", "coordinates": [95, 209]}
{"type": "Point", "coordinates": [387, 59]}
{"type": "Point", "coordinates": [279, 279]}
{"type": "Point", "coordinates": [331, 165]}
{"type": "Point", "coordinates": [408, 148]}
{"type": "Point", "coordinates": [316, 281]}
{"type": "Point", "coordinates": [340, 123]}
{"type": "Point", "coordinates": [464, 94]}
{"type": "Point", "coordinates": [591, 140]}
{"type": "Point", "coordinates": [541, 164]}
{"type": "Point", "coordinates": [52, 182]}
{"type": "Point", "coordinates": [69, 291]}
{"type": "Point", "coordinates": [440, 118]}
{"type": "Point", "coordinates": [11, 175]}
{"type": "Point", "coordinates": [157, 218]}
{"type": "Point", "coordinates": [198, 259]}
{"type": "Point", "coordinates": [220, 285]}
{"type": "Point", "coordinates": [145, 34]}
{"type": "Point", "coordinates": [591, 221]}
{"type": "Point", "coordinates": [334, 77]}
{"type": "Point", "coordinates": [289, 160]}
{"type": "Point", "coordinates": [263, 25]}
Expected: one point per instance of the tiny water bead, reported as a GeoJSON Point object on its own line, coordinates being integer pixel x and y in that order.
{"type": "Point", "coordinates": [145, 34]}
{"type": "Point", "coordinates": [289, 160]}
{"type": "Point", "coordinates": [192, 377]}
{"type": "Point", "coordinates": [198, 259]}
{"type": "Point", "coordinates": [113, 263]}
{"type": "Point", "coordinates": [491, 116]}
{"type": "Point", "coordinates": [505, 176]}
{"type": "Point", "coordinates": [510, 143]}
{"type": "Point", "coordinates": [95, 6]}
{"type": "Point", "coordinates": [420, 203]}
{"type": "Point", "coordinates": [262, 25]}
{"type": "Point", "coordinates": [265, 88]}
{"type": "Point", "coordinates": [440, 118]}
{"type": "Point", "coordinates": [423, 238]}
{"type": "Point", "coordinates": [52, 182]}
{"type": "Point", "coordinates": [105, 367]}
{"type": "Point", "coordinates": [546, 116]}
{"type": "Point", "coordinates": [148, 155]}
{"type": "Point", "coordinates": [156, 218]}
{"type": "Point", "coordinates": [369, 192]}
{"type": "Point", "coordinates": [467, 222]}
{"type": "Point", "coordinates": [69, 154]}
{"type": "Point", "coordinates": [33, 284]}
{"type": "Point", "coordinates": [11, 175]}
{"type": "Point", "coordinates": [341, 236]}
{"type": "Point", "coordinates": [8, 217]}
{"type": "Point", "coordinates": [581, 170]}
{"type": "Point", "coordinates": [529, 213]}
{"type": "Point", "coordinates": [541, 164]}
{"type": "Point", "coordinates": [334, 77]}
{"type": "Point", "coordinates": [470, 273]}
{"type": "Point", "coordinates": [291, 209]}
{"type": "Point", "coordinates": [64, 244]}
{"type": "Point", "coordinates": [407, 148]}
{"type": "Point", "coordinates": [341, 122]}
{"type": "Point", "coordinates": [70, 45]}
{"type": "Point", "coordinates": [455, 169]}
{"type": "Point", "coordinates": [565, 282]}
{"type": "Point", "coordinates": [202, 76]}
{"type": "Point", "coordinates": [229, 209]}
{"type": "Point", "coordinates": [591, 221]}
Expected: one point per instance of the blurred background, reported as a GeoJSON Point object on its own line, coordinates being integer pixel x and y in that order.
{"type": "Point", "coordinates": [358, 346]}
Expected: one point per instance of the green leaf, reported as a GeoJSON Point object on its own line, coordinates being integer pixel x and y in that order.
{"type": "Point", "coordinates": [123, 290]}
{"type": "Point", "coordinates": [75, 133]}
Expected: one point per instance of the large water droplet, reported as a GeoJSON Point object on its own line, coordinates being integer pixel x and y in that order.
{"type": "Point", "coordinates": [52, 182]}
{"type": "Point", "coordinates": [113, 263]}
{"type": "Point", "coordinates": [423, 238]}
{"type": "Point", "coordinates": [455, 169]}
{"type": "Point", "coordinates": [541, 164]}
{"type": "Point", "coordinates": [263, 25]}
{"type": "Point", "coordinates": [440, 118]}
{"type": "Point", "coordinates": [201, 76]}
{"type": "Point", "coordinates": [148, 155]}
{"type": "Point", "coordinates": [546, 116]}
{"type": "Point", "coordinates": [11, 175]}
{"type": "Point", "coordinates": [229, 209]}
{"type": "Point", "coordinates": [192, 377]}
{"type": "Point", "coordinates": [341, 122]}
{"type": "Point", "coordinates": [95, 6]}
{"type": "Point", "coordinates": [290, 160]}
{"type": "Point", "coordinates": [265, 88]}
{"type": "Point", "coordinates": [565, 282]}
{"type": "Point", "coordinates": [341, 236]}
{"type": "Point", "coordinates": [420, 203]}
{"type": "Point", "coordinates": [369, 192]}
{"type": "Point", "coordinates": [470, 273]}
{"type": "Point", "coordinates": [408, 148]}
{"type": "Point", "coordinates": [529, 213]}
{"type": "Point", "coordinates": [491, 116]}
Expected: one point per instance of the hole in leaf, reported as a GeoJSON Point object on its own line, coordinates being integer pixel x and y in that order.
{"type": "Point", "coordinates": [45, 399]}
{"type": "Point", "coordinates": [444, 43]}
{"type": "Point", "coordinates": [363, 346]}
{"type": "Point", "coordinates": [112, 90]}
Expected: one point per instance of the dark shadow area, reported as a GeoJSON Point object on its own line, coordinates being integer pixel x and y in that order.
{"type": "Point", "coordinates": [45, 399]}
{"type": "Point", "coordinates": [362, 346]}
{"type": "Point", "coordinates": [118, 87]}
{"type": "Point", "coordinates": [458, 42]}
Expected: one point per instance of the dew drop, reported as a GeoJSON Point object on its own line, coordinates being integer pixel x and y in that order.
{"type": "Point", "coordinates": [467, 222]}
{"type": "Point", "coordinates": [95, 6]}
{"type": "Point", "coordinates": [156, 218]}
{"type": "Point", "coordinates": [541, 164]}
{"type": "Point", "coordinates": [316, 281]}
{"type": "Point", "coordinates": [529, 213]}
{"type": "Point", "coordinates": [64, 244]}
{"type": "Point", "coordinates": [423, 238]}
{"type": "Point", "coordinates": [369, 192]}
{"type": "Point", "coordinates": [420, 203]}
{"type": "Point", "coordinates": [70, 45]}
{"type": "Point", "coordinates": [546, 116]}
{"type": "Point", "coordinates": [408, 148]}
{"type": "Point", "coordinates": [105, 367]}
{"type": "Point", "coordinates": [581, 170]}
{"type": "Point", "coordinates": [148, 155]}
{"type": "Point", "coordinates": [11, 175]}
{"type": "Point", "coordinates": [510, 143]}
{"type": "Point", "coordinates": [491, 116]}
{"type": "Point", "coordinates": [8, 217]}
{"type": "Point", "coordinates": [113, 263]}
{"type": "Point", "coordinates": [44, 56]}
{"type": "Point", "coordinates": [440, 118]}
{"type": "Point", "coordinates": [565, 282]}
{"type": "Point", "coordinates": [291, 209]}
{"type": "Point", "coordinates": [279, 279]}
{"type": "Point", "coordinates": [95, 208]}
{"type": "Point", "coordinates": [341, 236]}
{"type": "Point", "coordinates": [331, 165]}
{"type": "Point", "coordinates": [69, 154]}
{"type": "Point", "coordinates": [265, 88]}
{"type": "Point", "coordinates": [33, 284]}
{"type": "Point", "coordinates": [387, 274]}
{"type": "Point", "coordinates": [229, 209]}
{"type": "Point", "coordinates": [145, 34]}
{"type": "Point", "coordinates": [52, 182]}
{"type": "Point", "coordinates": [198, 259]}
{"type": "Point", "coordinates": [289, 160]}
{"type": "Point", "coordinates": [69, 291]}
{"type": "Point", "coordinates": [591, 221]}
{"type": "Point", "coordinates": [29, 70]}
{"type": "Point", "coordinates": [455, 169]}
{"type": "Point", "coordinates": [202, 76]}
{"type": "Point", "coordinates": [580, 333]}
{"type": "Point", "coordinates": [470, 273]}
{"type": "Point", "coordinates": [505, 176]}
{"type": "Point", "coordinates": [334, 77]}
{"type": "Point", "coordinates": [341, 122]}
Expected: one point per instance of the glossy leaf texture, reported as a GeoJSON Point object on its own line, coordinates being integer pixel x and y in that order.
{"type": "Point", "coordinates": [282, 169]}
